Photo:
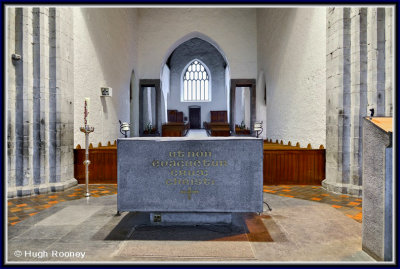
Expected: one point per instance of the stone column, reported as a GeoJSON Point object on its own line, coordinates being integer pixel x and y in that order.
{"type": "Point", "coordinates": [357, 67]}
{"type": "Point", "coordinates": [11, 108]}
{"type": "Point", "coordinates": [24, 89]}
{"type": "Point", "coordinates": [376, 60]}
{"type": "Point", "coordinates": [338, 100]}
{"type": "Point", "coordinates": [388, 61]}
{"type": "Point", "coordinates": [43, 85]}
{"type": "Point", "coordinates": [40, 101]}
{"type": "Point", "coordinates": [62, 58]}
{"type": "Point", "coordinates": [358, 92]}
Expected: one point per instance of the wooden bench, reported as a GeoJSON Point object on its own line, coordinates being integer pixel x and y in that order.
{"type": "Point", "coordinates": [175, 129]}
{"type": "Point", "coordinates": [219, 125]}
{"type": "Point", "coordinates": [220, 131]}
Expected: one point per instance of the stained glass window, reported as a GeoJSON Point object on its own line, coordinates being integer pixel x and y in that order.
{"type": "Point", "coordinates": [196, 83]}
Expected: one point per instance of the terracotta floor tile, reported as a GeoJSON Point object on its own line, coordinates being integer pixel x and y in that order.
{"type": "Point", "coordinates": [353, 203]}
{"type": "Point", "coordinates": [350, 206]}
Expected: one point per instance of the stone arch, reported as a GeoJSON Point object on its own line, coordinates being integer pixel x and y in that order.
{"type": "Point", "coordinates": [211, 42]}
{"type": "Point", "coordinates": [188, 37]}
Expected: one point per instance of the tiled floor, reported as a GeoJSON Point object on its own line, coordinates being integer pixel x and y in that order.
{"type": "Point", "coordinates": [88, 230]}
{"type": "Point", "coordinates": [22, 208]}
{"type": "Point", "coordinates": [350, 206]}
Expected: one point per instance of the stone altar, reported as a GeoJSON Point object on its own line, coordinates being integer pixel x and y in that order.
{"type": "Point", "coordinates": [190, 179]}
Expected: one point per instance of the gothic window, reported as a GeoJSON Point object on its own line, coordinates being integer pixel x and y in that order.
{"type": "Point", "coordinates": [196, 83]}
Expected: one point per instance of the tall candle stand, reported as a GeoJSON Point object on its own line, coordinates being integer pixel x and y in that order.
{"type": "Point", "coordinates": [87, 130]}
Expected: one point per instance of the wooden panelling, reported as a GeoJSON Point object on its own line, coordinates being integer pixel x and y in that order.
{"type": "Point", "coordinates": [175, 116]}
{"type": "Point", "coordinates": [219, 116]}
{"type": "Point", "coordinates": [102, 168]}
{"type": "Point", "coordinates": [290, 165]}
{"type": "Point", "coordinates": [179, 116]}
{"type": "Point", "coordinates": [172, 115]}
{"type": "Point", "coordinates": [283, 164]}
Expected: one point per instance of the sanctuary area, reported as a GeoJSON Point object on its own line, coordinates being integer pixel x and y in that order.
{"type": "Point", "coordinates": [199, 133]}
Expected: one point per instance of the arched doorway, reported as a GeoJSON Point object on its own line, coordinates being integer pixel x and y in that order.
{"type": "Point", "coordinates": [207, 88]}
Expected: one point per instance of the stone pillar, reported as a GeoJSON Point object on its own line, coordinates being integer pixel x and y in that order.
{"type": "Point", "coordinates": [43, 26]}
{"type": "Point", "coordinates": [376, 60]}
{"type": "Point", "coordinates": [358, 91]}
{"type": "Point", "coordinates": [11, 108]}
{"type": "Point", "coordinates": [338, 100]}
{"type": "Point", "coordinates": [64, 82]}
{"type": "Point", "coordinates": [40, 101]}
{"type": "Point", "coordinates": [388, 61]}
{"type": "Point", "coordinates": [357, 69]}
{"type": "Point", "coordinates": [24, 89]}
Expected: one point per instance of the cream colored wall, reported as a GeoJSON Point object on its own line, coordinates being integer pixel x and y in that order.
{"type": "Point", "coordinates": [233, 29]}
{"type": "Point", "coordinates": [105, 52]}
{"type": "Point", "coordinates": [288, 45]}
{"type": "Point", "coordinates": [292, 53]}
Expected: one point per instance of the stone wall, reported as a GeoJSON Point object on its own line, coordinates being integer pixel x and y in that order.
{"type": "Point", "coordinates": [358, 78]}
{"type": "Point", "coordinates": [291, 61]}
{"type": "Point", "coordinates": [40, 100]}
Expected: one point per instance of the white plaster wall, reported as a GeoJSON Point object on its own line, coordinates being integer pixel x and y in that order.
{"type": "Point", "coordinates": [233, 29]}
{"type": "Point", "coordinates": [238, 106]}
{"type": "Point", "coordinates": [261, 108]}
{"type": "Point", "coordinates": [105, 52]}
{"type": "Point", "coordinates": [292, 53]}
{"type": "Point", "coordinates": [242, 106]}
{"type": "Point", "coordinates": [165, 90]}
{"type": "Point", "coordinates": [227, 91]}
{"type": "Point", "coordinates": [247, 106]}
{"type": "Point", "coordinates": [149, 106]}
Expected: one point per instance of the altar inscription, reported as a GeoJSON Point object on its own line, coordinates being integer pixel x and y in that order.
{"type": "Point", "coordinates": [189, 168]}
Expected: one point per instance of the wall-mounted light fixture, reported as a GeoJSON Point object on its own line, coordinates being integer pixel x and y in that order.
{"type": "Point", "coordinates": [124, 128]}
{"type": "Point", "coordinates": [258, 128]}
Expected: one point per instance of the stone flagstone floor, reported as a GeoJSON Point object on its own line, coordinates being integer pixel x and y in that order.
{"type": "Point", "coordinates": [350, 206]}
{"type": "Point", "coordinates": [89, 230]}
{"type": "Point", "coordinates": [25, 207]}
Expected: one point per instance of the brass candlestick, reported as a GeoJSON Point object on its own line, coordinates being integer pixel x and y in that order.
{"type": "Point", "coordinates": [87, 130]}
